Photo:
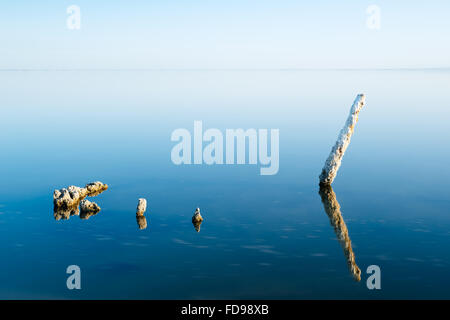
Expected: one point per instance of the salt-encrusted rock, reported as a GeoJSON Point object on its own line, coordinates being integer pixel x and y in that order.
{"type": "Point", "coordinates": [334, 160]}
{"type": "Point", "coordinates": [140, 210]}
{"type": "Point", "coordinates": [86, 205]}
{"type": "Point", "coordinates": [197, 216]}
{"type": "Point", "coordinates": [95, 188]}
{"type": "Point", "coordinates": [141, 207]}
{"type": "Point", "coordinates": [66, 198]}
{"type": "Point", "coordinates": [77, 192]}
{"type": "Point", "coordinates": [197, 220]}
{"type": "Point", "coordinates": [142, 222]}
{"type": "Point", "coordinates": [88, 209]}
{"type": "Point", "coordinates": [70, 197]}
{"type": "Point", "coordinates": [333, 210]}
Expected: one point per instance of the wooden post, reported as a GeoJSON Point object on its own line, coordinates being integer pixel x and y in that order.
{"type": "Point", "coordinates": [334, 160]}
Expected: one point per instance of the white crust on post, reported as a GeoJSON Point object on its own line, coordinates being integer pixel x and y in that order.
{"type": "Point", "coordinates": [334, 160]}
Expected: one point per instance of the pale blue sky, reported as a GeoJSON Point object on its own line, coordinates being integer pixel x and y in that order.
{"type": "Point", "coordinates": [224, 34]}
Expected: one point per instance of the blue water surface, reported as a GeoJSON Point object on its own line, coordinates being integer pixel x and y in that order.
{"type": "Point", "coordinates": [263, 236]}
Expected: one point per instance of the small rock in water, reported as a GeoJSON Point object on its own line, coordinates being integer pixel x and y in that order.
{"type": "Point", "coordinates": [66, 198]}
{"type": "Point", "coordinates": [141, 207]}
{"type": "Point", "coordinates": [197, 220]}
{"type": "Point", "coordinates": [140, 210]}
{"type": "Point", "coordinates": [86, 205]}
{"type": "Point", "coordinates": [70, 197]}
{"type": "Point", "coordinates": [95, 188]}
{"type": "Point", "coordinates": [88, 209]}
{"type": "Point", "coordinates": [197, 216]}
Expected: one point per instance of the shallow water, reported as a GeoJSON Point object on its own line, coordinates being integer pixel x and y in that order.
{"type": "Point", "coordinates": [263, 236]}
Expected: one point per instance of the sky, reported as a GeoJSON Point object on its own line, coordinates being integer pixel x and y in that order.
{"type": "Point", "coordinates": [232, 34]}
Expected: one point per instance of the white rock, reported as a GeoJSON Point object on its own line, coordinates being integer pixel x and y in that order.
{"type": "Point", "coordinates": [88, 209]}
{"type": "Point", "coordinates": [66, 198]}
{"type": "Point", "coordinates": [197, 217]}
{"type": "Point", "coordinates": [95, 188]}
{"type": "Point", "coordinates": [141, 207]}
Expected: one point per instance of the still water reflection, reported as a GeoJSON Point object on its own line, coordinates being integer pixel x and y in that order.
{"type": "Point", "coordinates": [266, 236]}
{"type": "Point", "coordinates": [333, 210]}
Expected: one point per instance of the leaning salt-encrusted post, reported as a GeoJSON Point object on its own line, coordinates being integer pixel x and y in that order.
{"type": "Point", "coordinates": [334, 160]}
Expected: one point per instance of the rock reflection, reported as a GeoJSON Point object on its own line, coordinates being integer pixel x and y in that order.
{"type": "Point", "coordinates": [197, 225]}
{"type": "Point", "coordinates": [65, 214]}
{"type": "Point", "coordinates": [333, 210]}
{"type": "Point", "coordinates": [84, 215]}
{"type": "Point", "coordinates": [142, 222]}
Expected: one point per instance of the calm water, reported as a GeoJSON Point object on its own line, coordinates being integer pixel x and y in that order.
{"type": "Point", "coordinates": [263, 236]}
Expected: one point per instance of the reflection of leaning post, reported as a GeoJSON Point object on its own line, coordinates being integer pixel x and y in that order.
{"type": "Point", "coordinates": [333, 210]}
{"type": "Point", "coordinates": [329, 171]}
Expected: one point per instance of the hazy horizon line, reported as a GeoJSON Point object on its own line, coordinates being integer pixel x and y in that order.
{"type": "Point", "coordinates": [228, 69]}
